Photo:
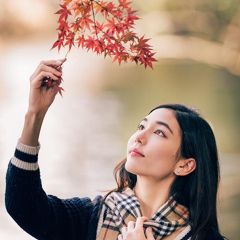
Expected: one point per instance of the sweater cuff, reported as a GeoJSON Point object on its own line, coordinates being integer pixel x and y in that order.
{"type": "Point", "coordinates": [26, 157]}
{"type": "Point", "coordinates": [28, 149]}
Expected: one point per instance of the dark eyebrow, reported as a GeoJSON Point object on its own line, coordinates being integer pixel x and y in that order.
{"type": "Point", "coordinates": [161, 123]}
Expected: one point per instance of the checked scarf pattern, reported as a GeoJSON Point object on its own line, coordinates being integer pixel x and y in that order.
{"type": "Point", "coordinates": [124, 207]}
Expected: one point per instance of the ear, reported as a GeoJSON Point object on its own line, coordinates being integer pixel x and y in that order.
{"type": "Point", "coordinates": [185, 166]}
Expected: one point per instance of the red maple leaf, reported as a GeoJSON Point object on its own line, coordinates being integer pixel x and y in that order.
{"type": "Point", "coordinates": [86, 22]}
{"type": "Point", "coordinates": [58, 43]}
{"type": "Point", "coordinates": [99, 46]}
{"type": "Point", "coordinates": [98, 28]}
{"type": "Point", "coordinates": [64, 12]}
{"type": "Point", "coordinates": [100, 7]}
{"type": "Point", "coordinates": [124, 3]}
{"type": "Point", "coordinates": [89, 43]}
{"type": "Point", "coordinates": [110, 7]}
{"type": "Point", "coordinates": [131, 16]}
{"type": "Point", "coordinates": [69, 40]}
{"type": "Point", "coordinates": [120, 56]}
{"type": "Point", "coordinates": [110, 26]}
{"type": "Point", "coordinates": [81, 41]}
{"type": "Point", "coordinates": [63, 27]}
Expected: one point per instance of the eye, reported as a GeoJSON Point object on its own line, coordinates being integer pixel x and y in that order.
{"type": "Point", "coordinates": [140, 127]}
{"type": "Point", "coordinates": [160, 133]}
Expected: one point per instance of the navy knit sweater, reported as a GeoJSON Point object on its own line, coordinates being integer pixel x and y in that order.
{"type": "Point", "coordinates": [44, 216]}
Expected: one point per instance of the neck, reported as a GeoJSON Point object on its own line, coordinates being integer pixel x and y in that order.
{"type": "Point", "coordinates": [151, 194]}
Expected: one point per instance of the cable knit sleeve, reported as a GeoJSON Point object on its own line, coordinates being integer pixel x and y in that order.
{"type": "Point", "coordinates": [43, 216]}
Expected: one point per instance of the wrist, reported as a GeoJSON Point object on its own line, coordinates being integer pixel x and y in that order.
{"type": "Point", "coordinates": [35, 116]}
{"type": "Point", "coordinates": [31, 129]}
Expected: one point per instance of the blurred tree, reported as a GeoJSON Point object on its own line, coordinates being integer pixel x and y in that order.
{"type": "Point", "coordinates": [26, 18]}
{"type": "Point", "coordinates": [207, 31]}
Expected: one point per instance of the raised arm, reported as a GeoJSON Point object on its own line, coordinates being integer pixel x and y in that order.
{"type": "Point", "coordinates": [41, 215]}
{"type": "Point", "coordinates": [40, 99]}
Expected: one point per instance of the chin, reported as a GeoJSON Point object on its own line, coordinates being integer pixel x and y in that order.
{"type": "Point", "coordinates": [130, 167]}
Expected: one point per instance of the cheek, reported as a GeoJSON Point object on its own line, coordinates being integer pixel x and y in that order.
{"type": "Point", "coordinates": [162, 157]}
{"type": "Point", "coordinates": [164, 149]}
{"type": "Point", "coordinates": [160, 151]}
{"type": "Point", "coordinates": [161, 163]}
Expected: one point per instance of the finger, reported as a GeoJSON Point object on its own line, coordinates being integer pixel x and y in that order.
{"type": "Point", "coordinates": [63, 60]}
{"type": "Point", "coordinates": [120, 237]}
{"type": "Point", "coordinates": [59, 68]}
{"type": "Point", "coordinates": [149, 234]}
{"type": "Point", "coordinates": [51, 69]}
{"type": "Point", "coordinates": [124, 231]}
{"type": "Point", "coordinates": [139, 222]}
{"type": "Point", "coordinates": [42, 64]}
{"type": "Point", "coordinates": [38, 80]}
{"type": "Point", "coordinates": [131, 225]}
{"type": "Point", "coordinates": [53, 62]}
{"type": "Point", "coordinates": [44, 74]}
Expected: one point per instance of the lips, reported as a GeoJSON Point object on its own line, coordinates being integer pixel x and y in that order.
{"type": "Point", "coordinates": [135, 152]}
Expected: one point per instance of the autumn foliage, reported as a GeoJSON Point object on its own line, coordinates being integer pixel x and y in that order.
{"type": "Point", "coordinates": [105, 28]}
{"type": "Point", "coordinates": [111, 35]}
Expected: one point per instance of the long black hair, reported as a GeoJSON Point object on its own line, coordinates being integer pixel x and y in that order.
{"type": "Point", "coordinates": [198, 190]}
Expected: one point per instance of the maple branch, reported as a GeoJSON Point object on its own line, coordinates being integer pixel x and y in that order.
{"type": "Point", "coordinates": [114, 38]}
{"type": "Point", "coordinates": [95, 25]}
{"type": "Point", "coordinates": [106, 10]}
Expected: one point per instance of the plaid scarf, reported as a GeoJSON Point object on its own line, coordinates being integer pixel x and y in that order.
{"type": "Point", "coordinates": [124, 207]}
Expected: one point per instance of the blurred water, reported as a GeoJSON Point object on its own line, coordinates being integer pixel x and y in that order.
{"type": "Point", "coordinates": [85, 132]}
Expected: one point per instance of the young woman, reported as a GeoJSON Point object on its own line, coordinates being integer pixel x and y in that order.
{"type": "Point", "coordinates": [166, 185]}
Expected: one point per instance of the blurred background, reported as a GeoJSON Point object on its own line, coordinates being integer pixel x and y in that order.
{"type": "Point", "coordinates": [84, 135]}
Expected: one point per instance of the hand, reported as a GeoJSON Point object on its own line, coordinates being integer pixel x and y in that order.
{"type": "Point", "coordinates": [135, 231]}
{"type": "Point", "coordinates": [41, 97]}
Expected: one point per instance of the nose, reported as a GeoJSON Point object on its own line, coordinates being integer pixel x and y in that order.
{"type": "Point", "coordinates": [140, 137]}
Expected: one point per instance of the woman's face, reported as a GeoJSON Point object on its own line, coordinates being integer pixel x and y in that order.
{"type": "Point", "coordinates": [153, 149]}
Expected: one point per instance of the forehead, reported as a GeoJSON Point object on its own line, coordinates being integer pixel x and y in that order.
{"type": "Point", "coordinates": [165, 115]}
